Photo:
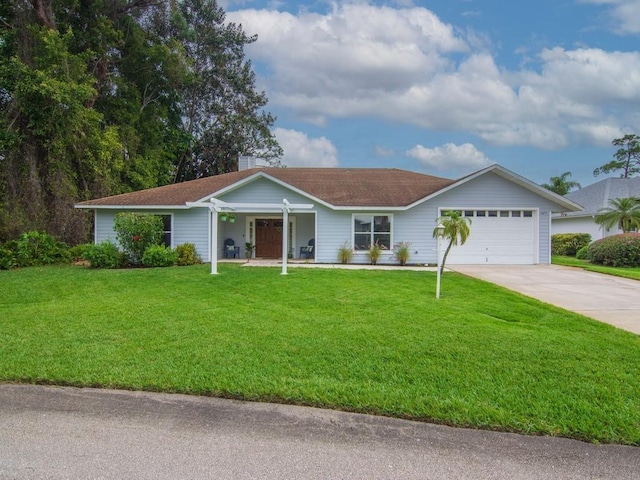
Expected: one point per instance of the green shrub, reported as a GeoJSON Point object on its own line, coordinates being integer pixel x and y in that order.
{"type": "Point", "coordinates": [582, 254]}
{"type": "Point", "coordinates": [187, 255]}
{"type": "Point", "coordinates": [103, 255]}
{"type": "Point", "coordinates": [8, 256]}
{"type": "Point", "coordinates": [159, 256]}
{"type": "Point", "coordinates": [40, 248]}
{"type": "Point", "coordinates": [77, 251]}
{"type": "Point", "coordinates": [569, 243]}
{"type": "Point", "coordinates": [617, 251]}
{"type": "Point", "coordinates": [136, 232]}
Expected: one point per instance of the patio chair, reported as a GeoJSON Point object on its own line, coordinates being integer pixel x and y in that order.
{"type": "Point", "coordinates": [307, 251]}
{"type": "Point", "coordinates": [230, 249]}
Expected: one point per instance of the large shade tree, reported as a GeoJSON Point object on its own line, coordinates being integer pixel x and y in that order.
{"type": "Point", "coordinates": [456, 231]}
{"type": "Point", "coordinates": [622, 212]}
{"type": "Point", "coordinates": [105, 97]}
{"type": "Point", "coordinates": [221, 107]}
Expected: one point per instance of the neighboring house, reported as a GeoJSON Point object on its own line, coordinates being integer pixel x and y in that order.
{"type": "Point", "coordinates": [591, 199]}
{"type": "Point", "coordinates": [511, 216]}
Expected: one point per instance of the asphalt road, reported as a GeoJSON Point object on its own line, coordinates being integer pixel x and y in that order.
{"type": "Point", "coordinates": [69, 433]}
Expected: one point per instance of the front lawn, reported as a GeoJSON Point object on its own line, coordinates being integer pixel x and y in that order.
{"type": "Point", "coordinates": [626, 272]}
{"type": "Point", "coordinates": [366, 341]}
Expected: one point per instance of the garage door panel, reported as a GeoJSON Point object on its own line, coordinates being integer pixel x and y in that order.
{"type": "Point", "coordinates": [497, 240]}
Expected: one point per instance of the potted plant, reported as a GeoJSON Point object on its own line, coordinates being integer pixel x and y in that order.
{"type": "Point", "coordinates": [223, 216]}
{"type": "Point", "coordinates": [345, 253]}
{"type": "Point", "coordinates": [290, 254]}
{"type": "Point", "coordinates": [401, 251]}
{"type": "Point", "coordinates": [232, 218]}
{"type": "Point", "coordinates": [374, 253]}
{"type": "Point", "coordinates": [248, 249]}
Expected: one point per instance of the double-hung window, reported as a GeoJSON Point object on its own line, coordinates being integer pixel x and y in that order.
{"type": "Point", "coordinates": [371, 229]}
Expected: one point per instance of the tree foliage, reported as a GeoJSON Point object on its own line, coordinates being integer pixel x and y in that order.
{"type": "Point", "coordinates": [222, 116]}
{"type": "Point", "coordinates": [105, 97]}
{"type": "Point", "coordinates": [623, 212]}
{"type": "Point", "coordinates": [561, 184]}
{"type": "Point", "coordinates": [456, 230]}
{"type": "Point", "coordinates": [626, 159]}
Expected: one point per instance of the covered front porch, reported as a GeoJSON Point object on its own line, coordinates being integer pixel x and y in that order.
{"type": "Point", "coordinates": [257, 231]}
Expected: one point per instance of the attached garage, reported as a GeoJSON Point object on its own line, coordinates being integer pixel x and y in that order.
{"type": "Point", "coordinates": [504, 236]}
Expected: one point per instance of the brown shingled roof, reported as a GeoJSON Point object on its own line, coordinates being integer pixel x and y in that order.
{"type": "Point", "coordinates": [341, 187]}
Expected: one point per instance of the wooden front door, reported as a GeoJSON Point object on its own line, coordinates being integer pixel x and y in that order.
{"type": "Point", "coordinates": [269, 238]}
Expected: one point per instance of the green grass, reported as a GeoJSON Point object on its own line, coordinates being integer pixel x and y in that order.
{"type": "Point", "coordinates": [366, 341]}
{"type": "Point", "coordinates": [633, 273]}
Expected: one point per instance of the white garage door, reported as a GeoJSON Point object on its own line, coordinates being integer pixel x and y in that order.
{"type": "Point", "coordinates": [499, 237]}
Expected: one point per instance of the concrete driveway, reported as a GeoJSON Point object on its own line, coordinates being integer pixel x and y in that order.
{"type": "Point", "coordinates": [610, 299]}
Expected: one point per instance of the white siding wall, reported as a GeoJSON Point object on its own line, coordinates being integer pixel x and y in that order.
{"type": "Point", "coordinates": [192, 226]}
{"type": "Point", "coordinates": [334, 228]}
{"type": "Point", "coordinates": [580, 225]}
{"type": "Point", "coordinates": [104, 225]}
{"type": "Point", "coordinates": [263, 190]}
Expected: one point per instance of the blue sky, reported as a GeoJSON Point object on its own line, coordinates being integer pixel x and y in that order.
{"type": "Point", "coordinates": [449, 86]}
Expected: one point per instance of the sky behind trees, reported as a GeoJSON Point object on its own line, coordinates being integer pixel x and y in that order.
{"type": "Point", "coordinates": [448, 86]}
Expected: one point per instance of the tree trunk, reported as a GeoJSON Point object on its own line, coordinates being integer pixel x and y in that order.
{"type": "Point", "coordinates": [446, 253]}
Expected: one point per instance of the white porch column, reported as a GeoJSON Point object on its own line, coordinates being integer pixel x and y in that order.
{"type": "Point", "coordinates": [213, 255]}
{"type": "Point", "coordinates": [285, 235]}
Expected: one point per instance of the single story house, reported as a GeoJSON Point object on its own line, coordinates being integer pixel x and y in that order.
{"type": "Point", "coordinates": [592, 199]}
{"type": "Point", "coordinates": [283, 210]}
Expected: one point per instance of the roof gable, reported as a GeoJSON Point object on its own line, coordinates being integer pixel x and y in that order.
{"type": "Point", "coordinates": [563, 203]}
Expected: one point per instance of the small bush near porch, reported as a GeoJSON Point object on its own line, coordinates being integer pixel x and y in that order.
{"type": "Point", "coordinates": [367, 341]}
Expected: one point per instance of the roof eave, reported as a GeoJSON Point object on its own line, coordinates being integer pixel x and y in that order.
{"type": "Point", "coordinates": [129, 207]}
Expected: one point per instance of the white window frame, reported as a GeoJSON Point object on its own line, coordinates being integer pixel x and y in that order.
{"type": "Point", "coordinates": [371, 214]}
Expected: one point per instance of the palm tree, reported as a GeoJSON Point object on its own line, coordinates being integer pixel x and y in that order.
{"type": "Point", "coordinates": [561, 185]}
{"type": "Point", "coordinates": [456, 229]}
{"type": "Point", "coordinates": [624, 212]}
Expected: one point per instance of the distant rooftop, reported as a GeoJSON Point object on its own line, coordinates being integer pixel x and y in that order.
{"type": "Point", "coordinates": [597, 196]}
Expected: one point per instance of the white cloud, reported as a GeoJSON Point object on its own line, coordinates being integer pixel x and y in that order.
{"type": "Point", "coordinates": [406, 66]}
{"type": "Point", "coordinates": [624, 15]}
{"type": "Point", "coordinates": [381, 151]}
{"type": "Point", "coordinates": [302, 151]}
{"type": "Point", "coordinates": [450, 157]}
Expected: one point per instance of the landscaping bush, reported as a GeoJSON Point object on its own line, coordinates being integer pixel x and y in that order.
{"type": "Point", "coordinates": [40, 248]}
{"type": "Point", "coordinates": [187, 255]}
{"type": "Point", "coordinates": [77, 251]}
{"type": "Point", "coordinates": [8, 258]}
{"type": "Point", "coordinates": [583, 253]}
{"type": "Point", "coordinates": [569, 243]}
{"type": "Point", "coordinates": [136, 232]}
{"type": "Point", "coordinates": [103, 255]}
{"type": "Point", "coordinates": [617, 251]}
{"type": "Point", "coordinates": [159, 256]}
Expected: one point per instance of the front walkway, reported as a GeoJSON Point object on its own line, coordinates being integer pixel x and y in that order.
{"type": "Point", "coordinates": [610, 299]}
